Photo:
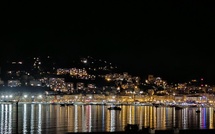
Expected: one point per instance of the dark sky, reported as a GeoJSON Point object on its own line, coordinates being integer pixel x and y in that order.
{"type": "Point", "coordinates": [171, 39]}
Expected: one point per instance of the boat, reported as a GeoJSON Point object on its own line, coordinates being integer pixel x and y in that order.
{"type": "Point", "coordinates": [132, 127]}
{"type": "Point", "coordinates": [114, 108]}
{"type": "Point", "coordinates": [178, 107]}
{"type": "Point", "coordinates": [69, 104]}
{"type": "Point", "coordinates": [197, 111]}
{"type": "Point", "coordinates": [156, 105]}
{"type": "Point", "coordinates": [62, 104]}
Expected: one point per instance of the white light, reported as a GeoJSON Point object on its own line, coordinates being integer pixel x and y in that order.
{"type": "Point", "coordinates": [25, 96]}
{"type": "Point", "coordinates": [11, 96]}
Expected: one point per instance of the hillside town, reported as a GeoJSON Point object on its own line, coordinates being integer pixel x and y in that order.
{"type": "Point", "coordinates": [88, 80]}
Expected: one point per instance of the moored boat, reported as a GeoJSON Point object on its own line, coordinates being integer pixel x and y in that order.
{"type": "Point", "coordinates": [114, 108]}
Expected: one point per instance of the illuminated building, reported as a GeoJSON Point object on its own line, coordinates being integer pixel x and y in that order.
{"type": "Point", "coordinates": [35, 83]}
{"type": "Point", "coordinates": [14, 83]}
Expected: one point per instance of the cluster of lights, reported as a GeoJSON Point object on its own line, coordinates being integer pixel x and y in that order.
{"type": "Point", "coordinates": [75, 73]}
{"type": "Point", "coordinates": [57, 84]}
{"type": "Point", "coordinates": [6, 96]}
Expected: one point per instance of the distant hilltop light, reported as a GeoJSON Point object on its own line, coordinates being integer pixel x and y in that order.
{"type": "Point", "coordinates": [194, 80]}
{"type": "Point", "coordinates": [84, 60]}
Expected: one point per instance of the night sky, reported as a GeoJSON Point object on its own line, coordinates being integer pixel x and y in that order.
{"type": "Point", "coordinates": [171, 39]}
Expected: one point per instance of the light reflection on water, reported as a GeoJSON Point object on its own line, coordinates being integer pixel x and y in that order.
{"type": "Point", "coordinates": [44, 118]}
{"type": "Point", "coordinates": [6, 119]}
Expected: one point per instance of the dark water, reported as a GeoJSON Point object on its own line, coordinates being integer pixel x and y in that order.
{"type": "Point", "coordinates": [54, 119]}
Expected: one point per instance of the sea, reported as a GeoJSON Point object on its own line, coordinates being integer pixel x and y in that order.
{"type": "Point", "coordinates": [30, 118]}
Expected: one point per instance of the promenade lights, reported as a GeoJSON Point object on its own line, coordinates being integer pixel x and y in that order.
{"type": "Point", "coordinates": [40, 96]}
{"type": "Point", "coordinates": [32, 98]}
{"type": "Point", "coordinates": [76, 97]}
